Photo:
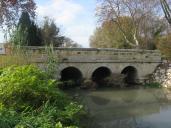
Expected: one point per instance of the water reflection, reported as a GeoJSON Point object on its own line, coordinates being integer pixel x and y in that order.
{"type": "Point", "coordinates": [134, 108]}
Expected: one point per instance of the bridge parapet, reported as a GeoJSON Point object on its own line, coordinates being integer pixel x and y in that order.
{"type": "Point", "coordinates": [108, 55]}
{"type": "Point", "coordinates": [99, 55]}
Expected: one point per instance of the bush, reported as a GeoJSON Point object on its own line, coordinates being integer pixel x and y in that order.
{"type": "Point", "coordinates": [164, 45]}
{"type": "Point", "coordinates": [153, 85]}
{"type": "Point", "coordinates": [49, 116]}
{"type": "Point", "coordinates": [27, 86]}
{"type": "Point", "coordinates": [67, 84]}
{"type": "Point", "coordinates": [8, 117]}
{"type": "Point", "coordinates": [29, 98]}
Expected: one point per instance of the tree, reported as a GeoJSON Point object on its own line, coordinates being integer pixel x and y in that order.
{"type": "Point", "coordinates": [109, 34]}
{"type": "Point", "coordinates": [164, 45]}
{"type": "Point", "coordinates": [24, 20]}
{"type": "Point", "coordinates": [27, 33]}
{"type": "Point", "coordinates": [139, 11]}
{"type": "Point", "coordinates": [10, 10]}
{"type": "Point", "coordinates": [68, 43]}
{"type": "Point", "coordinates": [34, 35]}
{"type": "Point", "coordinates": [51, 33]}
{"type": "Point", "coordinates": [166, 10]}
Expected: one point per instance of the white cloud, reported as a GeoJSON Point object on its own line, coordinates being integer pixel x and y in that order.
{"type": "Point", "coordinates": [62, 11]}
{"type": "Point", "coordinates": [81, 33]}
{"type": "Point", "coordinates": [72, 16]}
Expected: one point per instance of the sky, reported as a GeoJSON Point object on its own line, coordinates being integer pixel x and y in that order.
{"type": "Point", "coordinates": [76, 18]}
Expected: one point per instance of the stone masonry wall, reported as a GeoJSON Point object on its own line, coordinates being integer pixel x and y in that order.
{"type": "Point", "coordinates": [107, 55]}
{"type": "Point", "coordinates": [162, 75]}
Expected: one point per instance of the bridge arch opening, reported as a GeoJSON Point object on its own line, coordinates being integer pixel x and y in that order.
{"type": "Point", "coordinates": [131, 75]}
{"type": "Point", "coordinates": [100, 74]}
{"type": "Point", "coordinates": [71, 76]}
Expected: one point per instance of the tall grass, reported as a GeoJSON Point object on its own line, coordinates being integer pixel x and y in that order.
{"type": "Point", "coordinates": [7, 60]}
{"type": "Point", "coordinates": [19, 56]}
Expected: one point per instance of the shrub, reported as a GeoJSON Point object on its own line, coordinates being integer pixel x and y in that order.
{"type": "Point", "coordinates": [27, 86]}
{"type": "Point", "coordinates": [67, 84]}
{"type": "Point", "coordinates": [164, 45]}
{"type": "Point", "coordinates": [8, 117]}
{"type": "Point", "coordinates": [49, 116]}
{"type": "Point", "coordinates": [29, 98]}
{"type": "Point", "coordinates": [152, 85]}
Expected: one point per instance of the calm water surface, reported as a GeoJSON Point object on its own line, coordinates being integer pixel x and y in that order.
{"type": "Point", "coordinates": [130, 108]}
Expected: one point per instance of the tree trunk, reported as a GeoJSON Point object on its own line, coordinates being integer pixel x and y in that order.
{"type": "Point", "coordinates": [166, 10]}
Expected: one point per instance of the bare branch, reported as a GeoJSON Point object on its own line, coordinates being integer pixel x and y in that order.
{"type": "Point", "coordinates": [11, 9]}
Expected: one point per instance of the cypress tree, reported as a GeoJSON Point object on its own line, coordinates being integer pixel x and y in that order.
{"type": "Point", "coordinates": [27, 33]}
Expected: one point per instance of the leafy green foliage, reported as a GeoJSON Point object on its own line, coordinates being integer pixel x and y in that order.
{"type": "Point", "coordinates": [110, 36]}
{"type": "Point", "coordinates": [49, 116]}
{"type": "Point", "coordinates": [8, 117]}
{"type": "Point", "coordinates": [153, 85]}
{"type": "Point", "coordinates": [27, 33]}
{"type": "Point", "coordinates": [30, 99]}
{"type": "Point", "coordinates": [26, 86]}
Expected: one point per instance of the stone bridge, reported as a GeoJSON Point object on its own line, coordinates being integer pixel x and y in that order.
{"type": "Point", "coordinates": [95, 63]}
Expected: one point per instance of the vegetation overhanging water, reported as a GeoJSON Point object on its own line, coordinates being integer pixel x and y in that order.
{"type": "Point", "coordinates": [125, 108]}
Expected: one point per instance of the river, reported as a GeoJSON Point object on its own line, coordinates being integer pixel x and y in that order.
{"type": "Point", "coordinates": [126, 108]}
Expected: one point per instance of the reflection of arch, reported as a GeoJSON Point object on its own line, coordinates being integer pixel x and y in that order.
{"type": "Point", "coordinates": [100, 74]}
{"type": "Point", "coordinates": [131, 75]}
{"type": "Point", "coordinates": [71, 73]}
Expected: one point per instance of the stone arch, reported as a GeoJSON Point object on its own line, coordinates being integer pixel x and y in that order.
{"type": "Point", "coordinates": [71, 73]}
{"type": "Point", "coordinates": [131, 75]}
{"type": "Point", "coordinates": [100, 74]}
